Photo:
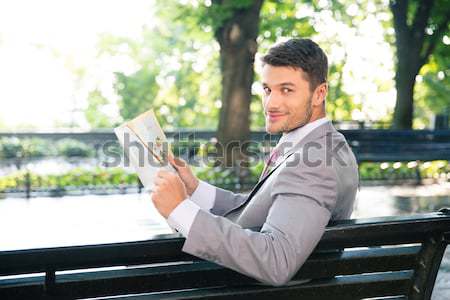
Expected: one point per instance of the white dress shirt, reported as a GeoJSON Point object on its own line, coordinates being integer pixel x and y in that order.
{"type": "Point", "coordinates": [182, 217]}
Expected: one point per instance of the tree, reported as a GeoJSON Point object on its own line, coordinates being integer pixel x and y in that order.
{"type": "Point", "coordinates": [433, 87]}
{"type": "Point", "coordinates": [176, 71]}
{"type": "Point", "coordinates": [237, 39]}
{"type": "Point", "coordinates": [137, 92]}
{"type": "Point", "coordinates": [240, 27]}
{"type": "Point", "coordinates": [94, 114]}
{"type": "Point", "coordinates": [419, 28]}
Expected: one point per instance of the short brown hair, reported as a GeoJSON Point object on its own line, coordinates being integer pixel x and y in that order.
{"type": "Point", "coordinates": [300, 53]}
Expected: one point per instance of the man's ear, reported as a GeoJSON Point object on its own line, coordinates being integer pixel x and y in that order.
{"type": "Point", "coordinates": [320, 94]}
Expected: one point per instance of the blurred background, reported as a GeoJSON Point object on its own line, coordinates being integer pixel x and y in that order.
{"type": "Point", "coordinates": [70, 71]}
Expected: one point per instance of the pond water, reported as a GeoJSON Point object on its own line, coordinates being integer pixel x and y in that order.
{"type": "Point", "coordinates": [80, 220]}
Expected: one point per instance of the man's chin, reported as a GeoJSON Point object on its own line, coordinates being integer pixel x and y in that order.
{"type": "Point", "coordinates": [274, 129]}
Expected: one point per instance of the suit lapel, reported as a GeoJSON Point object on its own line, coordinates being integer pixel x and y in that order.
{"type": "Point", "coordinates": [315, 134]}
{"type": "Point", "coordinates": [262, 180]}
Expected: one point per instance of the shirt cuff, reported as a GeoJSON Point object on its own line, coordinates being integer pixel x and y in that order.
{"type": "Point", "coordinates": [182, 217]}
{"type": "Point", "coordinates": [204, 195]}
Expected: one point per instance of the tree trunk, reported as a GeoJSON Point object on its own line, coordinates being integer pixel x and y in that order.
{"type": "Point", "coordinates": [238, 46]}
{"type": "Point", "coordinates": [405, 79]}
{"type": "Point", "coordinates": [413, 50]}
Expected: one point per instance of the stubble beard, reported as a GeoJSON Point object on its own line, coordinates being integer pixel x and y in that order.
{"type": "Point", "coordinates": [305, 120]}
{"type": "Point", "coordinates": [285, 128]}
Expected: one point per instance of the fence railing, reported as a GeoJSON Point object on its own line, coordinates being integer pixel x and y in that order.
{"type": "Point", "coordinates": [399, 156]}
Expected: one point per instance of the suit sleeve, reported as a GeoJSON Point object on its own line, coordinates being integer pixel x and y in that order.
{"type": "Point", "coordinates": [226, 201]}
{"type": "Point", "coordinates": [303, 200]}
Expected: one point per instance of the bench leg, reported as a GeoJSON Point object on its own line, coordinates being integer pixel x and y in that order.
{"type": "Point", "coordinates": [428, 264]}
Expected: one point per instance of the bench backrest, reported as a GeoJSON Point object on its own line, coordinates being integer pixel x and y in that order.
{"type": "Point", "coordinates": [399, 145]}
{"type": "Point", "coordinates": [390, 256]}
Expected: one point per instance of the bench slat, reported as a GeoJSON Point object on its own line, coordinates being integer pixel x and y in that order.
{"type": "Point", "coordinates": [345, 288]}
{"type": "Point", "coordinates": [326, 261]}
{"type": "Point", "coordinates": [343, 234]}
{"type": "Point", "coordinates": [206, 274]}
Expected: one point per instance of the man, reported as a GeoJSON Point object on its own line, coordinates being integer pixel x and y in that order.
{"type": "Point", "coordinates": [310, 178]}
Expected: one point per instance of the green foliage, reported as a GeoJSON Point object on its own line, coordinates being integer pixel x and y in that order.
{"type": "Point", "coordinates": [74, 178]}
{"type": "Point", "coordinates": [206, 15]}
{"type": "Point", "coordinates": [177, 71]}
{"type": "Point", "coordinates": [339, 105]}
{"type": "Point", "coordinates": [93, 113]}
{"type": "Point", "coordinates": [287, 19]}
{"type": "Point", "coordinates": [177, 60]}
{"type": "Point", "coordinates": [222, 177]}
{"type": "Point", "coordinates": [73, 148]}
{"type": "Point", "coordinates": [137, 91]}
{"type": "Point", "coordinates": [401, 170]}
{"type": "Point", "coordinates": [12, 148]}
{"type": "Point", "coordinates": [28, 148]}
{"type": "Point", "coordinates": [432, 92]}
{"type": "Point", "coordinates": [280, 19]}
{"type": "Point", "coordinates": [186, 148]}
{"type": "Point", "coordinates": [220, 12]}
{"type": "Point", "coordinates": [432, 57]}
{"type": "Point", "coordinates": [227, 177]}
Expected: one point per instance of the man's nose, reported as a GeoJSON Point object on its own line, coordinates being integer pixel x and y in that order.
{"type": "Point", "coordinates": [273, 101]}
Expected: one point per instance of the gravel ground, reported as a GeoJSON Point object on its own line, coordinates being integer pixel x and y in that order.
{"type": "Point", "coordinates": [441, 289]}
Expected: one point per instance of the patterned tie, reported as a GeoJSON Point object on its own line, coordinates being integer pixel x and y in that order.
{"type": "Point", "coordinates": [270, 163]}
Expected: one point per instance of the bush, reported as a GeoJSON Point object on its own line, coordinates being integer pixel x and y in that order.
{"type": "Point", "coordinates": [11, 148]}
{"type": "Point", "coordinates": [36, 148]}
{"type": "Point", "coordinates": [227, 177]}
{"type": "Point", "coordinates": [73, 148]}
{"type": "Point", "coordinates": [186, 148]}
{"type": "Point", "coordinates": [222, 177]}
{"type": "Point", "coordinates": [74, 178]}
{"type": "Point", "coordinates": [403, 170]}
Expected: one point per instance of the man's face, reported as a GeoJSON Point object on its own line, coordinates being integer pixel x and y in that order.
{"type": "Point", "coordinates": [287, 98]}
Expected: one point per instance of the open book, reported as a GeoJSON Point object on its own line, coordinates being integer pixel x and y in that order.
{"type": "Point", "coordinates": [145, 146]}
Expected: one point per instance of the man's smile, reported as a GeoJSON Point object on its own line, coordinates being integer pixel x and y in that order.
{"type": "Point", "coordinates": [275, 116]}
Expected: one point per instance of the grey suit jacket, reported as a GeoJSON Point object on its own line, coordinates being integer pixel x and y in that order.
{"type": "Point", "coordinates": [314, 182]}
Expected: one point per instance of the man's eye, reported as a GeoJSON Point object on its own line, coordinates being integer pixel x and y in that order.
{"type": "Point", "coordinates": [286, 90]}
{"type": "Point", "coordinates": [266, 90]}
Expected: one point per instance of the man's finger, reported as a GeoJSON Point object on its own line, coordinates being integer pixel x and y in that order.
{"type": "Point", "coordinates": [152, 196]}
{"type": "Point", "coordinates": [171, 159]}
{"type": "Point", "coordinates": [156, 191]}
{"type": "Point", "coordinates": [180, 162]}
{"type": "Point", "coordinates": [158, 181]}
{"type": "Point", "coordinates": [162, 173]}
{"type": "Point", "coordinates": [176, 162]}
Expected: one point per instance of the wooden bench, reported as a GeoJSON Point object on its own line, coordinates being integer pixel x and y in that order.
{"type": "Point", "coordinates": [394, 257]}
{"type": "Point", "coordinates": [399, 145]}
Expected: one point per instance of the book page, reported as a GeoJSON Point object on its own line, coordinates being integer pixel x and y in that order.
{"type": "Point", "coordinates": [145, 146]}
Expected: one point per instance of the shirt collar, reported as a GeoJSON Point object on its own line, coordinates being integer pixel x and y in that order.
{"type": "Point", "coordinates": [293, 137]}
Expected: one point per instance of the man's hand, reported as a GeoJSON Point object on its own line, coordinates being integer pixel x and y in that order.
{"type": "Point", "coordinates": [185, 173]}
{"type": "Point", "coordinates": [169, 191]}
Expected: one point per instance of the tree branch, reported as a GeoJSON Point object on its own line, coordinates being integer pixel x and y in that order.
{"type": "Point", "coordinates": [421, 15]}
{"type": "Point", "coordinates": [420, 22]}
{"type": "Point", "coordinates": [434, 39]}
